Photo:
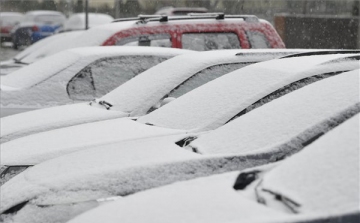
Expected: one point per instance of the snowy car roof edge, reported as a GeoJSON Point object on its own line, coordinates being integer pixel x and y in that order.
{"type": "Point", "coordinates": [315, 53]}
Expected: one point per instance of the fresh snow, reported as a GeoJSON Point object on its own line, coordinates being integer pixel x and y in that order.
{"type": "Point", "coordinates": [130, 166]}
{"type": "Point", "coordinates": [77, 20]}
{"type": "Point", "coordinates": [323, 178]}
{"type": "Point", "coordinates": [264, 127]}
{"type": "Point", "coordinates": [218, 101]}
{"type": "Point", "coordinates": [57, 70]}
{"type": "Point", "coordinates": [171, 73]}
{"type": "Point", "coordinates": [16, 126]}
{"type": "Point", "coordinates": [135, 96]}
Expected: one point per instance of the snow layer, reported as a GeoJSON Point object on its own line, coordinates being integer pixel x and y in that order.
{"type": "Point", "coordinates": [327, 173]}
{"type": "Point", "coordinates": [169, 74]}
{"type": "Point", "coordinates": [35, 51]}
{"type": "Point", "coordinates": [36, 148]}
{"type": "Point", "coordinates": [28, 123]}
{"type": "Point", "coordinates": [116, 169]}
{"type": "Point", "coordinates": [57, 71]}
{"type": "Point", "coordinates": [206, 200]}
{"type": "Point", "coordinates": [213, 104]}
{"type": "Point", "coordinates": [301, 109]}
{"type": "Point", "coordinates": [92, 37]}
{"type": "Point", "coordinates": [213, 199]}
{"type": "Point", "coordinates": [77, 20]}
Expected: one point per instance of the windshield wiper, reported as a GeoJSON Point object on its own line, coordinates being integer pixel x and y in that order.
{"type": "Point", "coordinates": [288, 203]}
{"type": "Point", "coordinates": [19, 61]}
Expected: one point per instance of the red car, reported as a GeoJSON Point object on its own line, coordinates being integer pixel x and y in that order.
{"type": "Point", "coordinates": [197, 32]}
{"type": "Point", "coordinates": [7, 22]}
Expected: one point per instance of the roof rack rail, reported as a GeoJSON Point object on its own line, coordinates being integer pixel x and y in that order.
{"type": "Point", "coordinates": [165, 18]}
{"type": "Point", "coordinates": [144, 18]}
{"type": "Point", "coordinates": [321, 53]}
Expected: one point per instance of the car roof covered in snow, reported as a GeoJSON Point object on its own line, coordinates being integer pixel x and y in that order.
{"type": "Point", "coordinates": [216, 102]}
{"type": "Point", "coordinates": [331, 161]}
{"type": "Point", "coordinates": [41, 70]}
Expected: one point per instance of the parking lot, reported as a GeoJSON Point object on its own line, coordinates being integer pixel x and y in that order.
{"type": "Point", "coordinates": [203, 111]}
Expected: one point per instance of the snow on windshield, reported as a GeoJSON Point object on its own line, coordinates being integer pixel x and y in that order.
{"type": "Point", "coordinates": [213, 104]}
{"type": "Point", "coordinates": [37, 50]}
{"type": "Point", "coordinates": [95, 36]}
{"type": "Point", "coordinates": [327, 173]}
{"type": "Point", "coordinates": [284, 118]}
{"type": "Point", "coordinates": [164, 77]}
{"type": "Point", "coordinates": [31, 74]}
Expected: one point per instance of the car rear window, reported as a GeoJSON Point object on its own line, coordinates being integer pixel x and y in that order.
{"type": "Point", "coordinates": [257, 40]}
{"type": "Point", "coordinates": [210, 41]}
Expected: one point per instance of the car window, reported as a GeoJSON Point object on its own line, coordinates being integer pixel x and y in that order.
{"type": "Point", "coordinates": [283, 91]}
{"type": "Point", "coordinates": [204, 76]}
{"type": "Point", "coordinates": [210, 41]}
{"type": "Point", "coordinates": [159, 40]}
{"type": "Point", "coordinates": [257, 40]}
{"type": "Point", "coordinates": [104, 75]}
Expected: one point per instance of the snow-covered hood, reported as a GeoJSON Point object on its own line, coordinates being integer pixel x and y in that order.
{"type": "Point", "coordinates": [16, 126]}
{"type": "Point", "coordinates": [39, 147]}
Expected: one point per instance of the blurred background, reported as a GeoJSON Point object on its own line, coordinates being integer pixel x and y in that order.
{"type": "Point", "coordinates": [300, 23]}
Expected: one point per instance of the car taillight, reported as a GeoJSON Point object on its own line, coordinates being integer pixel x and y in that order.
{"type": "Point", "coordinates": [35, 28]}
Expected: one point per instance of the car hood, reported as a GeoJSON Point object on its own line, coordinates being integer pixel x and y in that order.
{"type": "Point", "coordinates": [39, 147]}
{"type": "Point", "coordinates": [32, 122]}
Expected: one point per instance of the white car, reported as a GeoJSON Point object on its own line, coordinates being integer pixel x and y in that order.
{"type": "Point", "coordinates": [77, 21]}
{"type": "Point", "coordinates": [319, 184]}
{"type": "Point", "coordinates": [255, 86]}
{"type": "Point", "coordinates": [76, 75]}
{"type": "Point", "coordinates": [79, 181]}
{"type": "Point", "coordinates": [142, 94]}
{"type": "Point", "coordinates": [35, 52]}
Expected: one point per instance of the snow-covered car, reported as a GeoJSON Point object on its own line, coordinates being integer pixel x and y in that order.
{"type": "Point", "coordinates": [147, 91]}
{"type": "Point", "coordinates": [79, 181]}
{"type": "Point", "coordinates": [7, 22]}
{"type": "Point", "coordinates": [188, 32]}
{"type": "Point", "coordinates": [35, 26]}
{"type": "Point", "coordinates": [77, 21]}
{"type": "Point", "coordinates": [192, 113]}
{"type": "Point", "coordinates": [76, 75]}
{"type": "Point", "coordinates": [35, 52]}
{"type": "Point", "coordinates": [319, 184]}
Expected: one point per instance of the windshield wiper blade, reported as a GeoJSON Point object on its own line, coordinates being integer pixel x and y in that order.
{"type": "Point", "coordinates": [19, 61]}
{"type": "Point", "coordinates": [106, 104]}
{"type": "Point", "coordinates": [288, 203]}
